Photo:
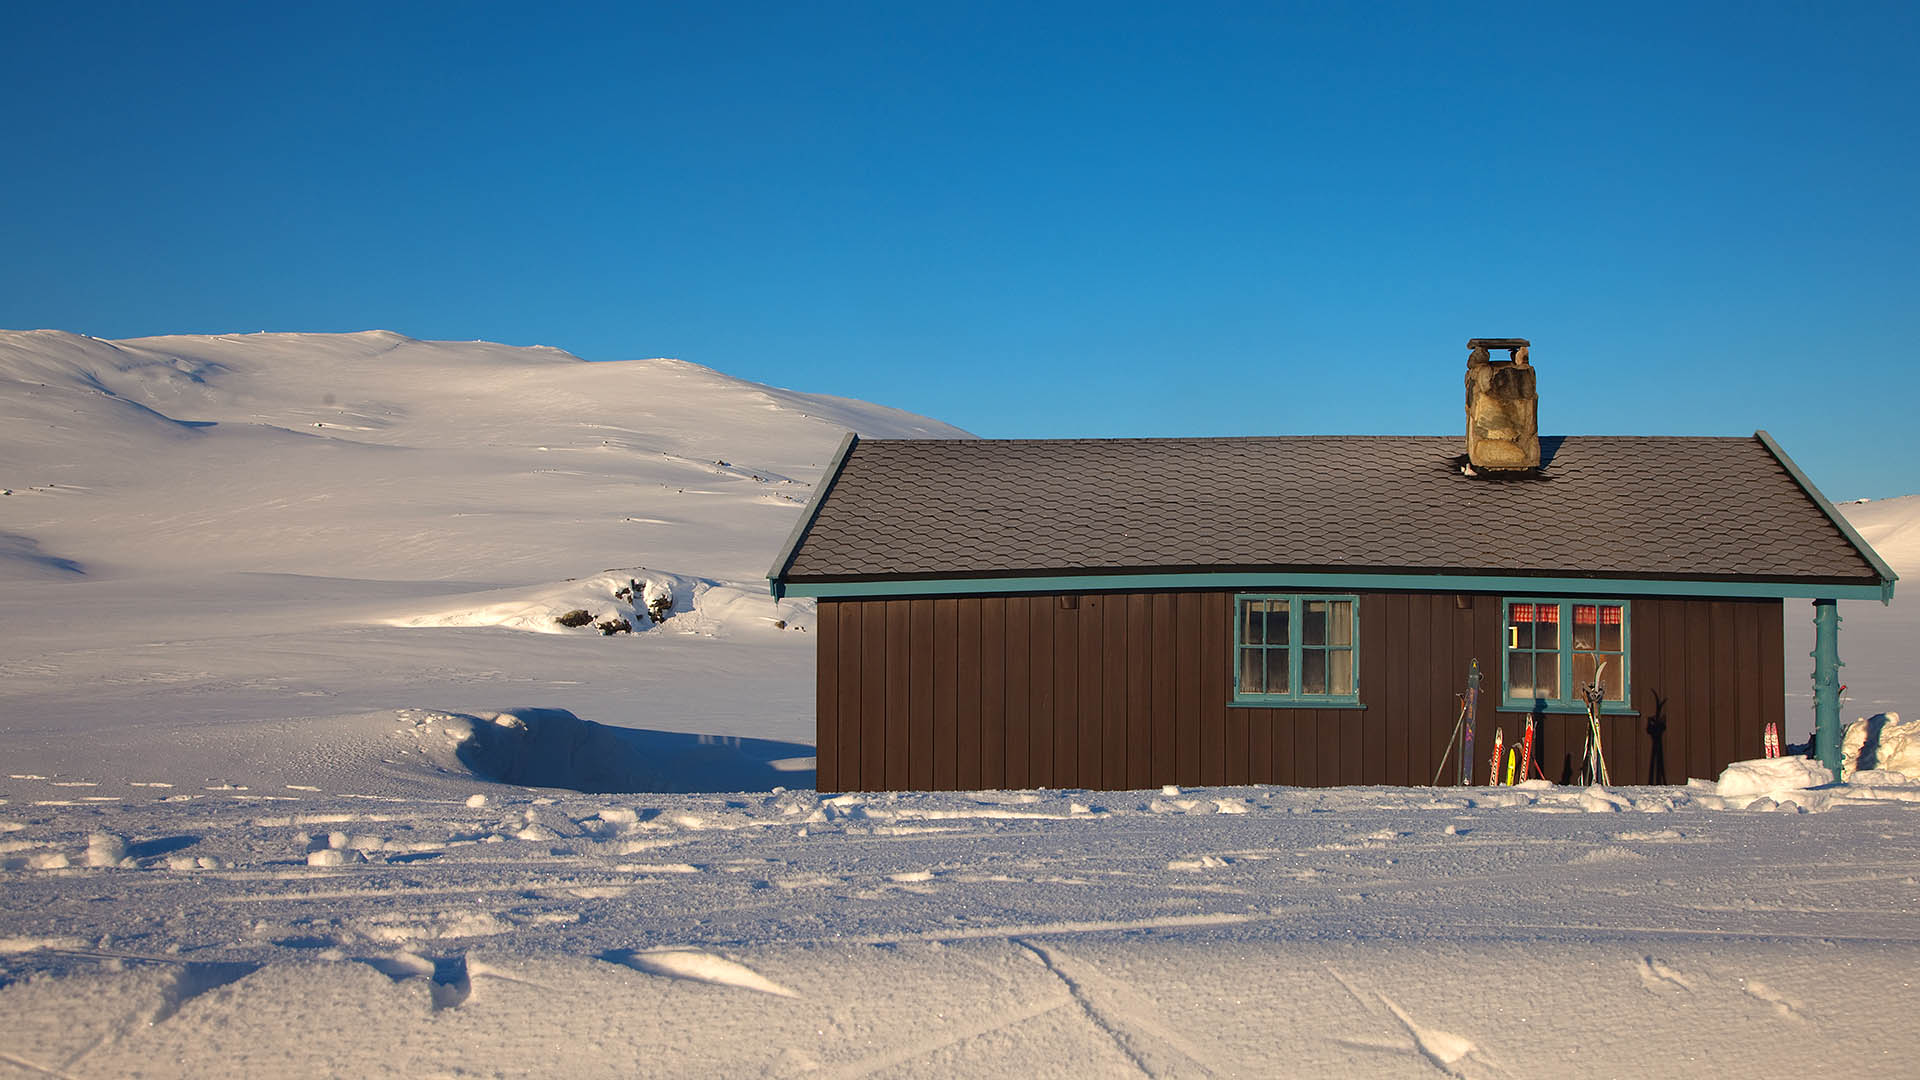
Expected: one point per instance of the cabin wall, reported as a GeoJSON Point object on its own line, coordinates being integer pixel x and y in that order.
{"type": "Point", "coordinates": [1132, 690]}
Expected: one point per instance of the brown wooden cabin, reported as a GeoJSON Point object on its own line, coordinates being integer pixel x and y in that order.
{"type": "Point", "coordinates": [1122, 614]}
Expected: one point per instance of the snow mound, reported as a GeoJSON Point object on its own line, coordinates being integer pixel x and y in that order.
{"type": "Point", "coordinates": [1880, 745]}
{"type": "Point", "coordinates": [1771, 777]}
{"type": "Point", "coordinates": [689, 604]}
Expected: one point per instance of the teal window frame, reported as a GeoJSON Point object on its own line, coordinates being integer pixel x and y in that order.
{"type": "Point", "coordinates": [1294, 699]}
{"type": "Point", "coordinates": [1569, 700]}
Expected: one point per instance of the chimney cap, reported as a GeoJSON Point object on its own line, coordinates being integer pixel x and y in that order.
{"type": "Point", "coordinates": [1498, 343]}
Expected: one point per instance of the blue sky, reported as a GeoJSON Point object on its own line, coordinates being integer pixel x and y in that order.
{"type": "Point", "coordinates": [1026, 219]}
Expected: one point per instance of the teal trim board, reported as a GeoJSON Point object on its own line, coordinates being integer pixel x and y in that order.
{"type": "Point", "coordinates": [1096, 582]}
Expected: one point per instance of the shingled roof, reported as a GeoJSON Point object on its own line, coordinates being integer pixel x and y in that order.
{"type": "Point", "coordinates": [1683, 508]}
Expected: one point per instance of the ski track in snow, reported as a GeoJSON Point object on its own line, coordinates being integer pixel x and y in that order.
{"type": "Point", "coordinates": [1360, 935]}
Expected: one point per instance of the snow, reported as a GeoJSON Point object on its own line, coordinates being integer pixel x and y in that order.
{"type": "Point", "coordinates": [227, 559]}
{"type": "Point", "coordinates": [301, 772]}
{"type": "Point", "coordinates": [1771, 777]}
{"type": "Point", "coordinates": [1880, 745]}
{"type": "Point", "coordinates": [1361, 931]}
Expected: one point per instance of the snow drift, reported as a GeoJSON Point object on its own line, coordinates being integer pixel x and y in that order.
{"type": "Point", "coordinates": [1881, 745]}
{"type": "Point", "coordinates": [553, 748]}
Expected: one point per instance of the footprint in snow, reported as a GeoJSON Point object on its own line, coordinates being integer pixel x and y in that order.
{"type": "Point", "coordinates": [448, 982]}
{"type": "Point", "coordinates": [1443, 1048]}
{"type": "Point", "coordinates": [1655, 975]}
{"type": "Point", "coordinates": [1782, 1004]}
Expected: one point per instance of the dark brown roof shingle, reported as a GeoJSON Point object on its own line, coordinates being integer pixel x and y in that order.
{"type": "Point", "coordinates": [1624, 506]}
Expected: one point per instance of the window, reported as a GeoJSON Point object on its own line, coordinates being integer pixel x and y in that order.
{"type": "Point", "coordinates": [1553, 649]}
{"type": "Point", "coordinates": [1295, 650]}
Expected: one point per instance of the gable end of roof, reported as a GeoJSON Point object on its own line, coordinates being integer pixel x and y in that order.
{"type": "Point", "coordinates": [1880, 567]}
{"type": "Point", "coordinates": [776, 577]}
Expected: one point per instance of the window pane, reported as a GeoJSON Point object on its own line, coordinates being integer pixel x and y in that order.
{"type": "Point", "coordinates": [1520, 627]}
{"type": "Point", "coordinates": [1340, 631]}
{"type": "Point", "coordinates": [1610, 625]}
{"type": "Point", "coordinates": [1277, 675]}
{"type": "Point", "coordinates": [1546, 626]}
{"type": "Point", "coordinates": [1614, 679]}
{"type": "Point", "coordinates": [1313, 669]}
{"type": "Point", "coordinates": [1582, 670]}
{"type": "Point", "coordinates": [1253, 626]}
{"type": "Point", "coordinates": [1585, 623]}
{"type": "Point", "coordinates": [1277, 622]}
{"type": "Point", "coordinates": [1250, 680]}
{"type": "Point", "coordinates": [1546, 675]}
{"type": "Point", "coordinates": [1340, 671]}
{"type": "Point", "coordinates": [1520, 675]}
{"type": "Point", "coordinates": [1315, 632]}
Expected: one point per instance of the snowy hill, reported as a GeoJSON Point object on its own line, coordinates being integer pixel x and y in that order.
{"type": "Point", "coordinates": [374, 455]}
{"type": "Point", "coordinates": [1892, 526]}
{"type": "Point", "coordinates": [272, 536]}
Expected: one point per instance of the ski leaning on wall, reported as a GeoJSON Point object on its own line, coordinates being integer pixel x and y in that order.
{"type": "Point", "coordinates": [1463, 730]}
{"type": "Point", "coordinates": [1472, 706]}
{"type": "Point", "coordinates": [1595, 769]}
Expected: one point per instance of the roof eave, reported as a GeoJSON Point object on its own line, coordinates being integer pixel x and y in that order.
{"type": "Point", "coordinates": [1340, 579]}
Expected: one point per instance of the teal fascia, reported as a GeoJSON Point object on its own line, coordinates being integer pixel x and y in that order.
{"type": "Point", "coordinates": [1563, 586]}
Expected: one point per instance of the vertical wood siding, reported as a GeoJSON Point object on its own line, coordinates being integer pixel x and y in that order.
{"type": "Point", "coordinates": [1133, 690]}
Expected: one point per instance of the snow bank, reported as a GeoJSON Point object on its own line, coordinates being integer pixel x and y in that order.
{"type": "Point", "coordinates": [1771, 777]}
{"type": "Point", "coordinates": [1797, 783]}
{"type": "Point", "coordinates": [1881, 744]}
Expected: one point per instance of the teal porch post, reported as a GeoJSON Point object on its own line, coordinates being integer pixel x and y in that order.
{"type": "Point", "coordinates": [1826, 683]}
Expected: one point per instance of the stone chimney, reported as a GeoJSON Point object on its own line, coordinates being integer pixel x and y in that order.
{"type": "Point", "coordinates": [1503, 423]}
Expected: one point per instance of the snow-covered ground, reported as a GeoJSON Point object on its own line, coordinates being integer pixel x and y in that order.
{"type": "Point", "coordinates": [281, 661]}
{"type": "Point", "coordinates": [1226, 932]}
